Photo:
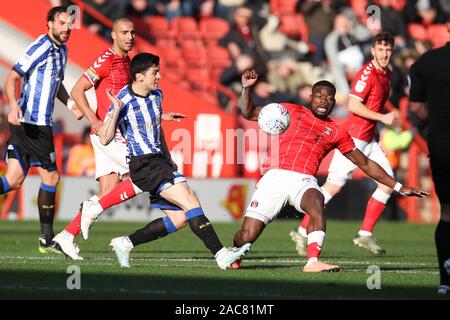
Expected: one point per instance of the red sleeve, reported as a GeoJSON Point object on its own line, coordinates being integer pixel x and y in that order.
{"type": "Point", "coordinates": [98, 70]}
{"type": "Point", "coordinates": [362, 84]}
{"type": "Point", "coordinates": [344, 141]}
{"type": "Point", "coordinates": [290, 107]}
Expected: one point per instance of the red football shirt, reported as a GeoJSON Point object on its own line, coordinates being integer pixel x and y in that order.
{"type": "Point", "coordinates": [371, 86]}
{"type": "Point", "coordinates": [109, 71]}
{"type": "Point", "coordinates": [306, 142]}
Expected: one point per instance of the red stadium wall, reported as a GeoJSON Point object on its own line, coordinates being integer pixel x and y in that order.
{"type": "Point", "coordinates": [83, 48]}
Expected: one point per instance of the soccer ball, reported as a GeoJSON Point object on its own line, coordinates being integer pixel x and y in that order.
{"type": "Point", "coordinates": [274, 119]}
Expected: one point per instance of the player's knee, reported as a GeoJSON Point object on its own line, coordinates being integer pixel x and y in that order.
{"type": "Point", "coordinates": [172, 225]}
{"type": "Point", "coordinates": [51, 179]}
{"type": "Point", "coordinates": [179, 220]}
{"type": "Point", "coordinates": [14, 183]}
{"type": "Point", "coordinates": [335, 181]}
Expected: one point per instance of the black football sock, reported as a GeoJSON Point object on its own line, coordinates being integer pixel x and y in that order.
{"type": "Point", "coordinates": [46, 207]}
{"type": "Point", "coordinates": [203, 229]}
{"type": "Point", "coordinates": [152, 231]}
{"type": "Point", "coordinates": [442, 238]}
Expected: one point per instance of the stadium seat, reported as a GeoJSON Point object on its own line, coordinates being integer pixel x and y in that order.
{"type": "Point", "coordinates": [437, 34]}
{"type": "Point", "coordinates": [194, 55]}
{"type": "Point", "coordinates": [294, 25]}
{"type": "Point", "coordinates": [185, 28]}
{"type": "Point", "coordinates": [417, 31]}
{"type": "Point", "coordinates": [398, 5]}
{"type": "Point", "coordinates": [218, 56]}
{"type": "Point", "coordinates": [360, 9]}
{"type": "Point", "coordinates": [158, 27]}
{"type": "Point", "coordinates": [213, 29]}
{"type": "Point", "coordinates": [281, 7]}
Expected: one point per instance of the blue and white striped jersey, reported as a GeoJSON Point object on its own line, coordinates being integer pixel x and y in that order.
{"type": "Point", "coordinates": [42, 69]}
{"type": "Point", "coordinates": [140, 121]}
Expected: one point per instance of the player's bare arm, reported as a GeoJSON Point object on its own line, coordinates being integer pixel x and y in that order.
{"type": "Point", "coordinates": [64, 97]}
{"type": "Point", "coordinates": [420, 110]}
{"type": "Point", "coordinates": [15, 113]}
{"type": "Point", "coordinates": [107, 130]}
{"type": "Point", "coordinates": [79, 96]}
{"type": "Point", "coordinates": [373, 170]}
{"type": "Point", "coordinates": [357, 107]}
{"type": "Point", "coordinates": [248, 109]}
{"type": "Point", "coordinates": [173, 116]}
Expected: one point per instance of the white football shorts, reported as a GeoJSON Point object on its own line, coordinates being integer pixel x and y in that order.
{"type": "Point", "coordinates": [276, 188]}
{"type": "Point", "coordinates": [341, 169]}
{"type": "Point", "coordinates": [111, 158]}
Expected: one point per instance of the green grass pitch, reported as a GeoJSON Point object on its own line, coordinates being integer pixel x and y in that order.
{"type": "Point", "coordinates": [179, 267]}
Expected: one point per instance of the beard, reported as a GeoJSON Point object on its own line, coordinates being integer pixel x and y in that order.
{"type": "Point", "coordinates": [59, 37]}
{"type": "Point", "coordinates": [321, 115]}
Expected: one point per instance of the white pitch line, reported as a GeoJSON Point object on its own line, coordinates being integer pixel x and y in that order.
{"type": "Point", "coordinates": [247, 260]}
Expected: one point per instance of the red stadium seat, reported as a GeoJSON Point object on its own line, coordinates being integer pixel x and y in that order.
{"type": "Point", "coordinates": [437, 34]}
{"type": "Point", "coordinates": [398, 5]}
{"type": "Point", "coordinates": [417, 31]}
{"type": "Point", "coordinates": [280, 7]}
{"type": "Point", "coordinates": [199, 79]}
{"type": "Point", "coordinates": [158, 27]}
{"type": "Point", "coordinates": [185, 28]}
{"type": "Point", "coordinates": [218, 57]}
{"type": "Point", "coordinates": [213, 29]}
{"type": "Point", "coordinates": [294, 25]}
{"type": "Point", "coordinates": [360, 9]}
{"type": "Point", "coordinates": [194, 55]}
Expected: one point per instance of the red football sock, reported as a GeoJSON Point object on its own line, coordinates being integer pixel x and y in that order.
{"type": "Point", "coordinates": [74, 226]}
{"type": "Point", "coordinates": [315, 241]}
{"type": "Point", "coordinates": [122, 192]}
{"type": "Point", "coordinates": [305, 222]}
{"type": "Point", "coordinates": [374, 210]}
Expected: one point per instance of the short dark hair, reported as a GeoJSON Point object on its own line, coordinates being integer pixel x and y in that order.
{"type": "Point", "coordinates": [54, 12]}
{"type": "Point", "coordinates": [324, 83]}
{"type": "Point", "coordinates": [142, 62]}
{"type": "Point", "coordinates": [384, 36]}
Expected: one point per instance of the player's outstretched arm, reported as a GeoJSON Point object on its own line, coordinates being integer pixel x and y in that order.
{"type": "Point", "coordinates": [79, 96]}
{"type": "Point", "coordinates": [373, 170]}
{"type": "Point", "coordinates": [64, 97]}
{"type": "Point", "coordinates": [248, 109]}
{"type": "Point", "coordinates": [420, 110]}
{"type": "Point", "coordinates": [107, 130]}
{"type": "Point", "coordinates": [15, 113]}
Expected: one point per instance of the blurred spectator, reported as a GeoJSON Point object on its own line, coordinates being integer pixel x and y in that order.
{"type": "Point", "coordinates": [81, 159]}
{"type": "Point", "coordinates": [319, 16]}
{"type": "Point", "coordinates": [286, 74]}
{"type": "Point", "coordinates": [264, 93]}
{"type": "Point", "coordinates": [108, 8]}
{"type": "Point", "coordinates": [209, 8]}
{"type": "Point", "coordinates": [176, 8]}
{"type": "Point", "coordinates": [57, 3]}
{"type": "Point", "coordinates": [392, 21]}
{"type": "Point", "coordinates": [276, 43]}
{"type": "Point", "coordinates": [231, 77]}
{"type": "Point", "coordinates": [344, 55]}
{"type": "Point", "coordinates": [425, 12]}
{"type": "Point", "coordinates": [142, 8]}
{"type": "Point", "coordinates": [243, 37]}
{"type": "Point", "coordinates": [422, 46]}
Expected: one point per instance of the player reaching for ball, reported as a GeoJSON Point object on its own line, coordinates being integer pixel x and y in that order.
{"type": "Point", "coordinates": [290, 169]}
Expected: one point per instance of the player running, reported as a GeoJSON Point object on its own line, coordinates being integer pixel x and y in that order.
{"type": "Point", "coordinates": [41, 69]}
{"type": "Point", "coordinates": [369, 92]}
{"type": "Point", "coordinates": [137, 111]}
{"type": "Point", "coordinates": [111, 70]}
{"type": "Point", "coordinates": [291, 168]}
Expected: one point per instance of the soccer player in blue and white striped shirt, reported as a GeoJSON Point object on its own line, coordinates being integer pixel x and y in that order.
{"type": "Point", "coordinates": [41, 69]}
{"type": "Point", "coordinates": [137, 110]}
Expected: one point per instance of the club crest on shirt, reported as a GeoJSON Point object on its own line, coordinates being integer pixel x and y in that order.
{"type": "Point", "coordinates": [254, 203]}
{"type": "Point", "coordinates": [328, 131]}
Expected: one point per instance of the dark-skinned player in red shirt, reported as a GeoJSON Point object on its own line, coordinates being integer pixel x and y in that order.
{"type": "Point", "coordinates": [290, 168]}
